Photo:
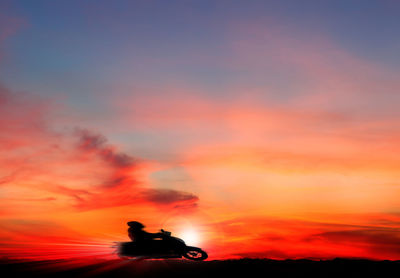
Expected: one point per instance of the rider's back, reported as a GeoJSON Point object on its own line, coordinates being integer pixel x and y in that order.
{"type": "Point", "coordinates": [139, 235]}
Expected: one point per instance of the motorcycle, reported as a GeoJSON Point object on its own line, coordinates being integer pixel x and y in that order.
{"type": "Point", "coordinates": [165, 247]}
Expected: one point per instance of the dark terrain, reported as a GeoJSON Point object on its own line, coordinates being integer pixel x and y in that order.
{"type": "Point", "coordinates": [184, 268]}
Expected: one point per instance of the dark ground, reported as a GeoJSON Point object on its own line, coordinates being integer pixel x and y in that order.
{"type": "Point", "coordinates": [183, 268]}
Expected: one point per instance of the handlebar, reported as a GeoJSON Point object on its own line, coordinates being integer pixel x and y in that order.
{"type": "Point", "coordinates": [165, 232]}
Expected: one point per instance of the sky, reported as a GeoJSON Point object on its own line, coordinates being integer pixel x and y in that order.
{"type": "Point", "coordinates": [260, 129]}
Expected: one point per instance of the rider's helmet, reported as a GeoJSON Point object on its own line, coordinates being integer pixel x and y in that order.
{"type": "Point", "coordinates": [135, 225]}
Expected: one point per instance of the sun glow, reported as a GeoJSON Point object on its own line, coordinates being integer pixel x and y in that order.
{"type": "Point", "coordinates": [190, 236]}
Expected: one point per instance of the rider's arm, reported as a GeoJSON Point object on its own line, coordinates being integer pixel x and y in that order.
{"type": "Point", "coordinates": [157, 235]}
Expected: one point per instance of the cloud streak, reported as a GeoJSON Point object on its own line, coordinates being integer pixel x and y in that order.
{"type": "Point", "coordinates": [78, 163]}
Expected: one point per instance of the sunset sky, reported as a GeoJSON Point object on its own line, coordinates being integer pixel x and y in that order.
{"type": "Point", "coordinates": [262, 129]}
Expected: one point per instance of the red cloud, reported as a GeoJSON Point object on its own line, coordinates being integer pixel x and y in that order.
{"type": "Point", "coordinates": [260, 237]}
{"type": "Point", "coordinates": [381, 241]}
{"type": "Point", "coordinates": [80, 164]}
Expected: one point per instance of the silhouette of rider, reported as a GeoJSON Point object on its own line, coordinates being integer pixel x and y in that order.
{"type": "Point", "coordinates": [140, 236]}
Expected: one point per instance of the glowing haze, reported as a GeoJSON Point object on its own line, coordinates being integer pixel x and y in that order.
{"type": "Point", "coordinates": [249, 128]}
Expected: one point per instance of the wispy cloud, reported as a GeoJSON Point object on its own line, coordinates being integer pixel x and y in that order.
{"type": "Point", "coordinates": [76, 162]}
